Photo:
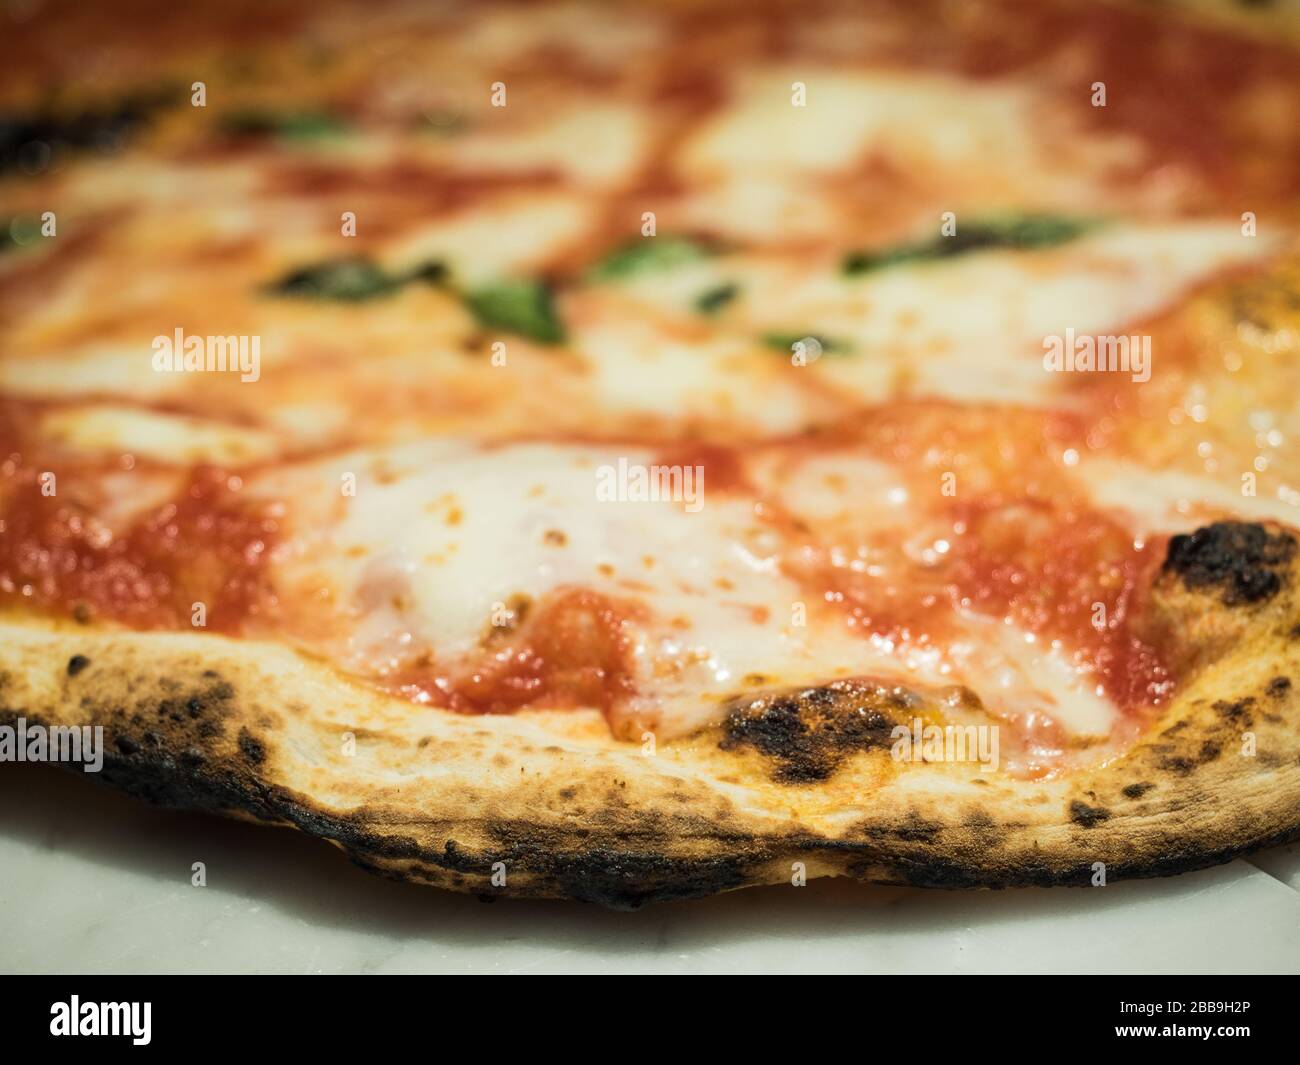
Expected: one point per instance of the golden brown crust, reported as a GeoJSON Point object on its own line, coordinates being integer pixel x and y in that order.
{"type": "Point", "coordinates": [254, 730]}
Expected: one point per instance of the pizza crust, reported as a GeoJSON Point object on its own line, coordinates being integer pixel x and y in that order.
{"type": "Point", "coordinates": [259, 731]}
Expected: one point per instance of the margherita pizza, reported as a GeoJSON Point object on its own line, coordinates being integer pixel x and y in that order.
{"type": "Point", "coordinates": [628, 452]}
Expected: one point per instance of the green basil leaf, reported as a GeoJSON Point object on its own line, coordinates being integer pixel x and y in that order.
{"type": "Point", "coordinates": [347, 280]}
{"type": "Point", "coordinates": [712, 300]}
{"type": "Point", "coordinates": [647, 256]}
{"type": "Point", "coordinates": [20, 231]}
{"type": "Point", "coordinates": [292, 126]}
{"type": "Point", "coordinates": [518, 306]}
{"type": "Point", "coordinates": [1017, 232]}
{"type": "Point", "coordinates": [431, 272]}
{"type": "Point", "coordinates": [352, 280]}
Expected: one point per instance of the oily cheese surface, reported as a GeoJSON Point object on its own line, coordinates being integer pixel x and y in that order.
{"type": "Point", "coordinates": [389, 580]}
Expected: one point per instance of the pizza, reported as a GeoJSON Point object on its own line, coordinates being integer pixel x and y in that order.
{"type": "Point", "coordinates": [629, 452]}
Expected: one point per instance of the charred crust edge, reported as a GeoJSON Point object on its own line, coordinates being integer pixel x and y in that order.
{"type": "Point", "coordinates": [809, 732]}
{"type": "Point", "coordinates": [1088, 816]}
{"type": "Point", "coordinates": [188, 744]}
{"type": "Point", "coordinates": [1244, 561]}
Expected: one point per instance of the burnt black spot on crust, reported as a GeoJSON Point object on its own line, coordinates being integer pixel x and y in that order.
{"type": "Point", "coordinates": [1087, 816]}
{"type": "Point", "coordinates": [1234, 709]}
{"type": "Point", "coordinates": [1241, 559]}
{"type": "Point", "coordinates": [1279, 686]}
{"type": "Point", "coordinates": [187, 717]}
{"type": "Point", "coordinates": [809, 732]}
{"type": "Point", "coordinates": [76, 664]}
{"type": "Point", "coordinates": [1184, 764]}
{"type": "Point", "coordinates": [628, 879]}
{"type": "Point", "coordinates": [928, 871]}
{"type": "Point", "coordinates": [252, 748]}
{"type": "Point", "coordinates": [1136, 791]}
{"type": "Point", "coordinates": [621, 873]}
{"type": "Point", "coordinates": [101, 129]}
{"type": "Point", "coordinates": [918, 831]}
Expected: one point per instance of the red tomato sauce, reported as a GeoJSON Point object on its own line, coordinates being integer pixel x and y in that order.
{"type": "Point", "coordinates": [573, 649]}
{"type": "Point", "coordinates": [208, 545]}
{"type": "Point", "coordinates": [1066, 574]}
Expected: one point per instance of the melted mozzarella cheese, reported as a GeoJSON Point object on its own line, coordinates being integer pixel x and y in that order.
{"type": "Point", "coordinates": [638, 366]}
{"type": "Point", "coordinates": [937, 143]}
{"type": "Point", "coordinates": [851, 499]}
{"type": "Point", "coordinates": [508, 236]}
{"type": "Point", "coordinates": [1016, 674]}
{"type": "Point", "coordinates": [974, 328]}
{"type": "Point", "coordinates": [1168, 501]}
{"type": "Point", "coordinates": [456, 532]}
{"type": "Point", "coordinates": [843, 114]}
{"type": "Point", "coordinates": [98, 368]}
{"type": "Point", "coordinates": [971, 328]}
{"type": "Point", "coordinates": [166, 438]}
{"type": "Point", "coordinates": [439, 537]}
{"type": "Point", "coordinates": [596, 143]}
{"type": "Point", "coordinates": [604, 36]}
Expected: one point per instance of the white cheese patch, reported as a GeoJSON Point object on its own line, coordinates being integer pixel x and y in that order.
{"type": "Point", "coordinates": [597, 143]}
{"type": "Point", "coordinates": [932, 142]}
{"type": "Point", "coordinates": [167, 438]}
{"type": "Point", "coordinates": [440, 535]}
{"type": "Point", "coordinates": [1017, 673]}
{"type": "Point", "coordinates": [839, 491]}
{"type": "Point", "coordinates": [852, 501]}
{"type": "Point", "coordinates": [973, 328]}
{"type": "Point", "coordinates": [759, 205]}
{"type": "Point", "coordinates": [917, 116]}
{"type": "Point", "coordinates": [635, 366]}
{"type": "Point", "coordinates": [99, 368]}
{"type": "Point", "coordinates": [606, 37]}
{"type": "Point", "coordinates": [1170, 501]}
{"type": "Point", "coordinates": [510, 235]}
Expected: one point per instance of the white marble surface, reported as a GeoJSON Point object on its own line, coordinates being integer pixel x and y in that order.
{"type": "Point", "coordinates": [91, 881]}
